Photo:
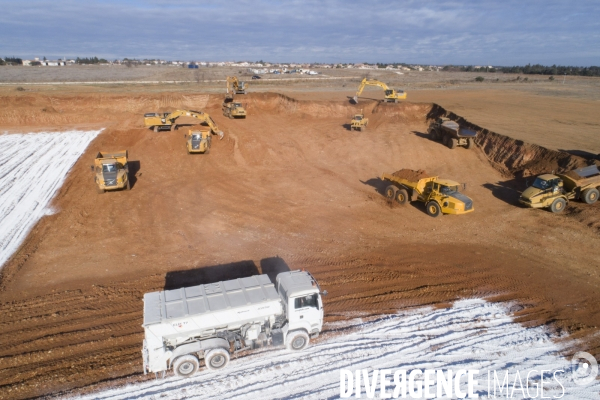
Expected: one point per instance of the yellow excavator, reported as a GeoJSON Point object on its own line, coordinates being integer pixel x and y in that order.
{"type": "Point", "coordinates": [237, 86]}
{"type": "Point", "coordinates": [391, 96]}
{"type": "Point", "coordinates": [167, 121]}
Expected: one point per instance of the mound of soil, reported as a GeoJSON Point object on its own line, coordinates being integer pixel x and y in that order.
{"type": "Point", "coordinates": [410, 174]}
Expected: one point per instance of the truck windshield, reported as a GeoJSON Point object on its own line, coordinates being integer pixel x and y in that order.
{"type": "Point", "coordinates": [109, 167]}
{"type": "Point", "coordinates": [448, 189]}
{"type": "Point", "coordinates": [196, 136]}
{"type": "Point", "coordinates": [306, 301]}
{"type": "Point", "coordinates": [358, 118]}
{"type": "Point", "coordinates": [541, 184]}
{"type": "Point", "coordinates": [237, 104]}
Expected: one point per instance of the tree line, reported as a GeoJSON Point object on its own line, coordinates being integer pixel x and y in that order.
{"type": "Point", "coordinates": [536, 69]}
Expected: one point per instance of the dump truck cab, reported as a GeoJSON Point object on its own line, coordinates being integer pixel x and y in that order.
{"type": "Point", "coordinates": [198, 140]}
{"type": "Point", "coordinates": [301, 297]}
{"type": "Point", "coordinates": [447, 194]}
{"type": "Point", "coordinates": [111, 171]}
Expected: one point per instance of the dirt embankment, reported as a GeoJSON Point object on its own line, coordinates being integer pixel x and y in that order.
{"type": "Point", "coordinates": [511, 156]}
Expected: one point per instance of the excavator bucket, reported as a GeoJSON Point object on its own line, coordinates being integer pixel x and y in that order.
{"type": "Point", "coordinates": [355, 99]}
{"type": "Point", "coordinates": [220, 133]}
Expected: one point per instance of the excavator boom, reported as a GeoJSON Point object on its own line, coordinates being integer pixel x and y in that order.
{"type": "Point", "coordinates": [167, 120]}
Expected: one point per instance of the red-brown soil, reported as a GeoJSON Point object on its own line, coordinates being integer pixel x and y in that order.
{"type": "Point", "coordinates": [289, 187]}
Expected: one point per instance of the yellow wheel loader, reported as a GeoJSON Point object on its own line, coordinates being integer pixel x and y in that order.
{"type": "Point", "coordinates": [391, 96]}
{"type": "Point", "coordinates": [441, 196]}
{"type": "Point", "coordinates": [167, 121]}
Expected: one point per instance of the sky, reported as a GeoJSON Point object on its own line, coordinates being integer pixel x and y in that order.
{"type": "Point", "coordinates": [477, 32]}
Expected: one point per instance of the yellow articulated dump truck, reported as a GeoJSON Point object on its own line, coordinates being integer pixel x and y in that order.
{"type": "Point", "coordinates": [359, 122]}
{"type": "Point", "coordinates": [112, 171]}
{"type": "Point", "coordinates": [198, 141]}
{"type": "Point", "coordinates": [554, 191]}
{"type": "Point", "coordinates": [441, 196]}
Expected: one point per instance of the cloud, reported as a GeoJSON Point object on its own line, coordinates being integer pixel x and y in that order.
{"type": "Point", "coordinates": [435, 32]}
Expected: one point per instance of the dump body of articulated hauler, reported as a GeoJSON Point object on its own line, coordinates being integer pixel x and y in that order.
{"type": "Point", "coordinates": [186, 326]}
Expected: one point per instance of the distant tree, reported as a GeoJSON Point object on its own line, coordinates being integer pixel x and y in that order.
{"type": "Point", "coordinates": [44, 58]}
{"type": "Point", "coordinates": [479, 79]}
{"type": "Point", "coordinates": [551, 78]}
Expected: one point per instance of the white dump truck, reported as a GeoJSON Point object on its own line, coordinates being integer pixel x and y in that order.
{"type": "Point", "coordinates": [210, 322]}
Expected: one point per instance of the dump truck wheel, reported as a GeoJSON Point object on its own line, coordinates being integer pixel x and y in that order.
{"type": "Point", "coordinates": [402, 196]}
{"type": "Point", "coordinates": [216, 359]}
{"type": "Point", "coordinates": [445, 139]}
{"type": "Point", "coordinates": [128, 184]}
{"type": "Point", "coordinates": [452, 143]}
{"type": "Point", "coordinates": [390, 192]}
{"type": "Point", "coordinates": [590, 196]}
{"type": "Point", "coordinates": [297, 340]}
{"type": "Point", "coordinates": [470, 143]}
{"type": "Point", "coordinates": [185, 366]}
{"type": "Point", "coordinates": [558, 205]}
{"type": "Point", "coordinates": [433, 209]}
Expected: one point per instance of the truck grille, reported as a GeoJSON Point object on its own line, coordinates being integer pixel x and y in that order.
{"type": "Point", "coordinates": [468, 205]}
{"type": "Point", "coordinates": [195, 144]}
{"type": "Point", "coordinates": [110, 182]}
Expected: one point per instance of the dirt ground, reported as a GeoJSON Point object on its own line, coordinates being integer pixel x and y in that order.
{"type": "Point", "coordinates": [289, 187]}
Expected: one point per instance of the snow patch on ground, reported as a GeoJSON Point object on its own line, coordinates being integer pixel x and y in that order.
{"type": "Point", "coordinates": [473, 334]}
{"type": "Point", "coordinates": [32, 168]}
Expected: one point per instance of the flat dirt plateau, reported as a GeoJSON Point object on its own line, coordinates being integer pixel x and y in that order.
{"type": "Point", "coordinates": [289, 187]}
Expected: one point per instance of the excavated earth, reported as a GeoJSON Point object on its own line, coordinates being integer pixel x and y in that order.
{"type": "Point", "coordinates": [289, 187]}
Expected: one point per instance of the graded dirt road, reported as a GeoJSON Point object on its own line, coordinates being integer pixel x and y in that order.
{"type": "Point", "coordinates": [289, 187]}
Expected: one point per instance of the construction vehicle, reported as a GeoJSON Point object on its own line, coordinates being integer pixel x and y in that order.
{"type": "Point", "coordinates": [233, 109]}
{"type": "Point", "coordinates": [391, 96]}
{"type": "Point", "coordinates": [198, 141]}
{"type": "Point", "coordinates": [441, 196]}
{"type": "Point", "coordinates": [214, 321]}
{"type": "Point", "coordinates": [359, 122]}
{"type": "Point", "coordinates": [451, 133]}
{"type": "Point", "coordinates": [237, 86]}
{"type": "Point", "coordinates": [554, 191]}
{"type": "Point", "coordinates": [167, 121]}
{"type": "Point", "coordinates": [112, 171]}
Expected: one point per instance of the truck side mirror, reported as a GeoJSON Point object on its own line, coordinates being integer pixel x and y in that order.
{"type": "Point", "coordinates": [324, 293]}
{"type": "Point", "coordinates": [464, 186]}
{"type": "Point", "coordinates": [92, 168]}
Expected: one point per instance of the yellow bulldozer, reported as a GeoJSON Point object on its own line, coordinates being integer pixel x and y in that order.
{"type": "Point", "coordinates": [391, 95]}
{"type": "Point", "coordinates": [167, 121]}
{"type": "Point", "coordinates": [237, 86]}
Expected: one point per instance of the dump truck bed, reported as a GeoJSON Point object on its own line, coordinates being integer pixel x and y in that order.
{"type": "Point", "coordinates": [417, 185]}
{"type": "Point", "coordinates": [120, 156]}
{"type": "Point", "coordinates": [581, 177]}
{"type": "Point", "coordinates": [455, 129]}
